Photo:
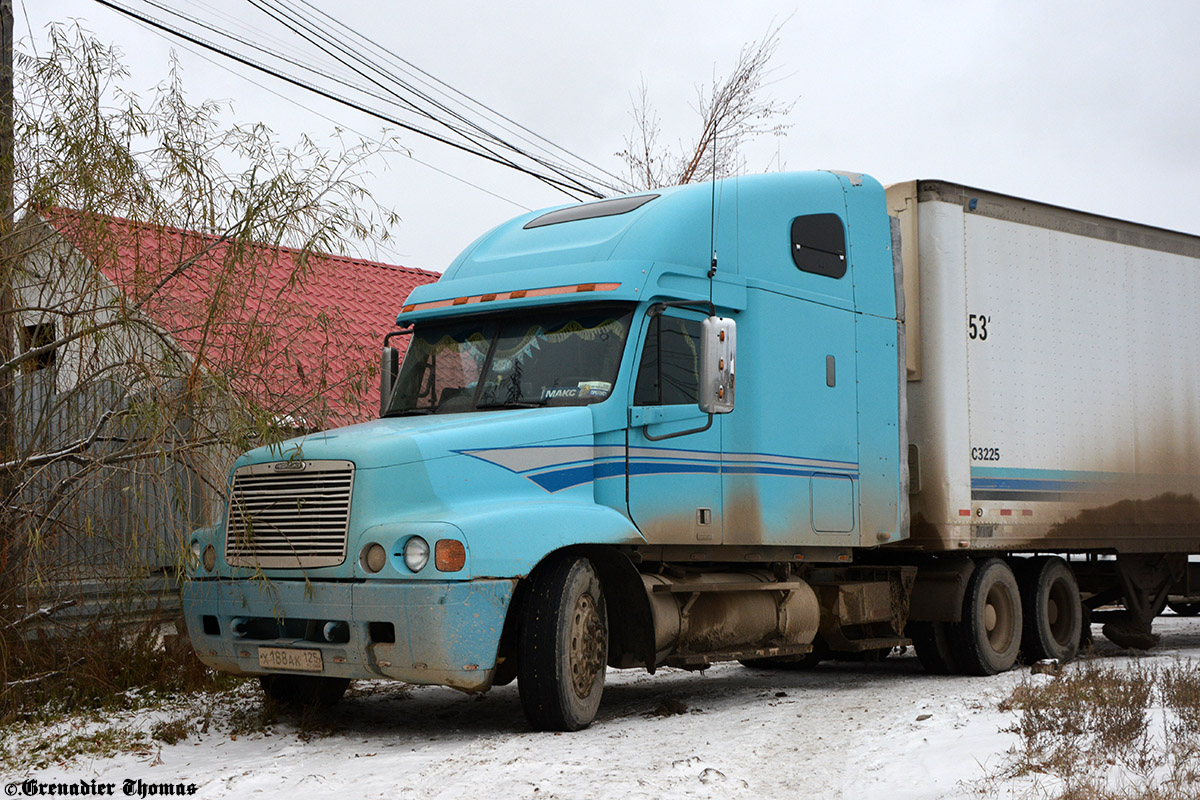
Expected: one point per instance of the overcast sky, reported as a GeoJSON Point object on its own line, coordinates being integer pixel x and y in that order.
{"type": "Point", "coordinates": [1091, 105]}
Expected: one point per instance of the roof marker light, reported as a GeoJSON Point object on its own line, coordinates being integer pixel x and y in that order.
{"type": "Point", "coordinates": [516, 294]}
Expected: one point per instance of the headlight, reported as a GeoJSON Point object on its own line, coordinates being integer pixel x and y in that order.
{"type": "Point", "coordinates": [416, 554]}
{"type": "Point", "coordinates": [209, 558]}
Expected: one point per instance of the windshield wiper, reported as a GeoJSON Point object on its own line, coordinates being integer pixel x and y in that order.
{"type": "Point", "coordinates": [512, 404]}
{"type": "Point", "coordinates": [412, 412]}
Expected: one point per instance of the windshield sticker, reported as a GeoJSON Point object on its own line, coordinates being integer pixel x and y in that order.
{"type": "Point", "coordinates": [556, 392]}
{"type": "Point", "coordinates": [594, 388]}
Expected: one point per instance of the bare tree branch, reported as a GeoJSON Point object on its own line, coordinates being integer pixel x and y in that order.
{"type": "Point", "coordinates": [733, 112]}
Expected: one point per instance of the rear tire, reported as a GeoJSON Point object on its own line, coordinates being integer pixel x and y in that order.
{"type": "Point", "coordinates": [303, 691]}
{"type": "Point", "coordinates": [563, 646]}
{"type": "Point", "coordinates": [1053, 613]}
{"type": "Point", "coordinates": [934, 645]}
{"type": "Point", "coordinates": [988, 638]}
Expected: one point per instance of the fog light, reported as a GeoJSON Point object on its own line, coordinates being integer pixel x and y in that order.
{"type": "Point", "coordinates": [336, 632]}
{"type": "Point", "coordinates": [449, 555]}
{"type": "Point", "coordinates": [416, 553]}
{"type": "Point", "coordinates": [373, 557]}
{"type": "Point", "coordinates": [210, 558]}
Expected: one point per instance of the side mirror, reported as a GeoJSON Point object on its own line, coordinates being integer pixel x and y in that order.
{"type": "Point", "coordinates": [718, 359]}
{"type": "Point", "coordinates": [389, 365]}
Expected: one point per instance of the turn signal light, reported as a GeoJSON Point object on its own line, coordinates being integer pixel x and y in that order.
{"type": "Point", "coordinates": [449, 555]}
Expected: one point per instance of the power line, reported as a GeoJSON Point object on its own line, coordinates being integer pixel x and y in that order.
{"type": "Point", "coordinates": [462, 133]}
{"type": "Point", "coordinates": [187, 46]}
{"type": "Point", "coordinates": [277, 10]}
{"type": "Point", "coordinates": [308, 35]}
{"type": "Point", "coordinates": [400, 60]}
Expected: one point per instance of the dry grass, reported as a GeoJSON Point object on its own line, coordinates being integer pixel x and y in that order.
{"type": "Point", "coordinates": [105, 664]}
{"type": "Point", "coordinates": [1109, 733]}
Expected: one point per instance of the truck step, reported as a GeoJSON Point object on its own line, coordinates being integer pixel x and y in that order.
{"type": "Point", "coordinates": [745, 586]}
{"type": "Point", "coordinates": [694, 660]}
{"type": "Point", "coordinates": [859, 645]}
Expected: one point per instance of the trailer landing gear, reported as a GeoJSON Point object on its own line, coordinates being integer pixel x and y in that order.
{"type": "Point", "coordinates": [1144, 582]}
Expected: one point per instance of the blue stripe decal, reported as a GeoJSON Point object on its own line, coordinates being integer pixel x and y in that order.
{"type": "Point", "coordinates": [798, 473]}
{"type": "Point", "coordinates": [559, 479]}
{"type": "Point", "coordinates": [1020, 473]}
{"type": "Point", "coordinates": [564, 478]}
{"type": "Point", "coordinates": [1029, 485]}
{"type": "Point", "coordinates": [1011, 479]}
{"type": "Point", "coordinates": [556, 476]}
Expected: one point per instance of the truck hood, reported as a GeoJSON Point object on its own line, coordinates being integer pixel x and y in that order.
{"type": "Point", "coordinates": [404, 440]}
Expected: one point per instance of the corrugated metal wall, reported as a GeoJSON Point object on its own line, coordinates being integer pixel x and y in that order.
{"type": "Point", "coordinates": [103, 534]}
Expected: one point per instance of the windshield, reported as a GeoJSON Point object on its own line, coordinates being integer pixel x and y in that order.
{"type": "Point", "coordinates": [533, 357]}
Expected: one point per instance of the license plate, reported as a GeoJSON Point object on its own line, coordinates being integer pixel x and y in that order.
{"type": "Point", "coordinates": [290, 658]}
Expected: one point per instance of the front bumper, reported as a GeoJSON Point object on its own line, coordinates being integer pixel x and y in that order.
{"type": "Point", "coordinates": [423, 632]}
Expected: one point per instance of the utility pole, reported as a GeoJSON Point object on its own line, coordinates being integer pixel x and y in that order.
{"type": "Point", "coordinates": [9, 252]}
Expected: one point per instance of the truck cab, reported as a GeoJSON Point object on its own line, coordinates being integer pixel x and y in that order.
{"type": "Point", "coordinates": [648, 430]}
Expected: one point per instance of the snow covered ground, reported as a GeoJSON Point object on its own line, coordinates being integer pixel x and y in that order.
{"type": "Point", "coordinates": [841, 730]}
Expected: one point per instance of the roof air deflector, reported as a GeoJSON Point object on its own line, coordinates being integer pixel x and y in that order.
{"type": "Point", "coordinates": [603, 208]}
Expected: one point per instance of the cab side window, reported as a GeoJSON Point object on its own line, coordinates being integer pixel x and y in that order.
{"type": "Point", "coordinates": [669, 371]}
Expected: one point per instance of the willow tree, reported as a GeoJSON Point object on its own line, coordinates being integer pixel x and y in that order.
{"type": "Point", "coordinates": [123, 408]}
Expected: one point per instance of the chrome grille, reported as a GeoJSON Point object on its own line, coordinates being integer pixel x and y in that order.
{"type": "Point", "coordinates": [289, 514]}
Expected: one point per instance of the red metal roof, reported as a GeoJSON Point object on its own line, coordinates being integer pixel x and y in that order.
{"type": "Point", "coordinates": [299, 334]}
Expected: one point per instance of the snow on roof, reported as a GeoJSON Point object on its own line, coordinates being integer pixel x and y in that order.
{"type": "Point", "coordinates": [298, 333]}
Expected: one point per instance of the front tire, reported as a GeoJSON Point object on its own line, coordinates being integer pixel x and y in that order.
{"type": "Point", "coordinates": [563, 647]}
{"type": "Point", "coordinates": [989, 635]}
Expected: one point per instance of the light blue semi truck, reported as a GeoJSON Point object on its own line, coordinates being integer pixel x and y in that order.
{"type": "Point", "coordinates": [773, 419]}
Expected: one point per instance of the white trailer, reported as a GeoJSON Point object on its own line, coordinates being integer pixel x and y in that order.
{"type": "Point", "coordinates": [1053, 392]}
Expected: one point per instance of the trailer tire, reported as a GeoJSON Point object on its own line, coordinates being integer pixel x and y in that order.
{"type": "Point", "coordinates": [1184, 608]}
{"type": "Point", "coordinates": [303, 691]}
{"type": "Point", "coordinates": [1053, 612]}
{"type": "Point", "coordinates": [989, 635]}
{"type": "Point", "coordinates": [935, 647]}
{"type": "Point", "coordinates": [563, 646]}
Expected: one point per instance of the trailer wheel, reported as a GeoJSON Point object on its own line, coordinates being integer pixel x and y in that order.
{"type": "Point", "coordinates": [303, 691]}
{"type": "Point", "coordinates": [1053, 618]}
{"type": "Point", "coordinates": [1183, 608]}
{"type": "Point", "coordinates": [563, 646]}
{"type": "Point", "coordinates": [989, 635]}
{"type": "Point", "coordinates": [934, 646]}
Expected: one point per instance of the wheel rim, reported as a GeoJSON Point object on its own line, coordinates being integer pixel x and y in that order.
{"type": "Point", "coordinates": [587, 645]}
{"type": "Point", "coordinates": [1058, 616]}
{"type": "Point", "coordinates": [999, 619]}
